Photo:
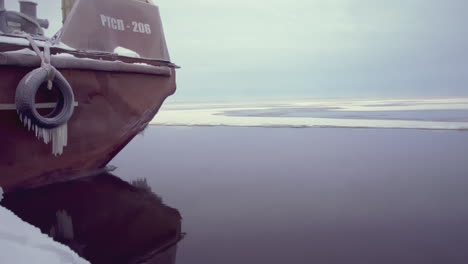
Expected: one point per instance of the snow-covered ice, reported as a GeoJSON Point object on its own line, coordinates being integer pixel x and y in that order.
{"type": "Point", "coordinates": [446, 114]}
{"type": "Point", "coordinates": [22, 243]}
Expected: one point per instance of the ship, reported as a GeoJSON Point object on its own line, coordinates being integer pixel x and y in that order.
{"type": "Point", "coordinates": [69, 103]}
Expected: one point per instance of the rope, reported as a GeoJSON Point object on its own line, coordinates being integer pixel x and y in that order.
{"type": "Point", "coordinates": [45, 59]}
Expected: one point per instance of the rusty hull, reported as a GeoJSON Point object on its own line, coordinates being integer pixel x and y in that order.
{"type": "Point", "coordinates": [112, 108]}
{"type": "Point", "coordinates": [113, 105]}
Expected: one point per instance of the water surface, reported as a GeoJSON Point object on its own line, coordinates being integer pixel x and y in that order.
{"type": "Point", "coordinates": [313, 195]}
{"type": "Point", "coordinates": [103, 219]}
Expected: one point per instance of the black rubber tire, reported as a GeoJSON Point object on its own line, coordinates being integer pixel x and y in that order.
{"type": "Point", "coordinates": [26, 99]}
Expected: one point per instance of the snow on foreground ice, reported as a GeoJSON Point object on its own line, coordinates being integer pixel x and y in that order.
{"type": "Point", "coordinates": [22, 243]}
{"type": "Point", "coordinates": [447, 114]}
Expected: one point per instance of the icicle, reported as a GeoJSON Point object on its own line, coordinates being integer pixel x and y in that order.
{"type": "Point", "coordinates": [46, 134]}
{"type": "Point", "coordinates": [58, 135]}
{"type": "Point", "coordinates": [59, 139]}
{"type": "Point", "coordinates": [40, 133]}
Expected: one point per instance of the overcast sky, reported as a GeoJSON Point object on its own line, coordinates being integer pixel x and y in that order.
{"type": "Point", "coordinates": [313, 48]}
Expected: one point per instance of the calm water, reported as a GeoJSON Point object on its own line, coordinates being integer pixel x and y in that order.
{"type": "Point", "coordinates": [270, 195]}
{"type": "Point", "coordinates": [316, 195]}
{"type": "Point", "coordinates": [103, 219]}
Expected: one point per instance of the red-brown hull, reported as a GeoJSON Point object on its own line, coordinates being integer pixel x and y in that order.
{"type": "Point", "coordinates": [112, 108]}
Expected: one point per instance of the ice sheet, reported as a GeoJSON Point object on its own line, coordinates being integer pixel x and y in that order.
{"type": "Point", "coordinates": [22, 243]}
{"type": "Point", "coordinates": [450, 113]}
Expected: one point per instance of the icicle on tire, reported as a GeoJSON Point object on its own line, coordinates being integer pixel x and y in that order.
{"type": "Point", "coordinates": [58, 135]}
{"type": "Point", "coordinates": [52, 127]}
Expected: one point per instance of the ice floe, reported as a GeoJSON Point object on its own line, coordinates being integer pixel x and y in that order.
{"type": "Point", "coordinates": [22, 243]}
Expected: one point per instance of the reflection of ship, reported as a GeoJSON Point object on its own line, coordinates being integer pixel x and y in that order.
{"type": "Point", "coordinates": [103, 219]}
{"type": "Point", "coordinates": [113, 74]}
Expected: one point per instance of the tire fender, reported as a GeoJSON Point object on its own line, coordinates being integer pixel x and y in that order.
{"type": "Point", "coordinates": [25, 98]}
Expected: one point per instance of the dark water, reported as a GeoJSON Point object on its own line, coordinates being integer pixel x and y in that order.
{"type": "Point", "coordinates": [103, 219]}
{"type": "Point", "coordinates": [266, 195]}
{"type": "Point", "coordinates": [263, 195]}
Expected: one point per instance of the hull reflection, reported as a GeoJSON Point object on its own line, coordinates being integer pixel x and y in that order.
{"type": "Point", "coordinates": [102, 218]}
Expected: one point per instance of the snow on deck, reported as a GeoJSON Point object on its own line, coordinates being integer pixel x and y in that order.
{"type": "Point", "coordinates": [21, 41]}
{"type": "Point", "coordinates": [121, 51]}
{"type": "Point", "coordinates": [22, 243]}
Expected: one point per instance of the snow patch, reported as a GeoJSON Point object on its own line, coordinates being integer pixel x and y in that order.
{"type": "Point", "coordinates": [23, 51]}
{"type": "Point", "coordinates": [63, 46]}
{"type": "Point", "coordinates": [64, 55]}
{"type": "Point", "coordinates": [23, 243]}
{"type": "Point", "coordinates": [1, 193]}
{"type": "Point", "coordinates": [19, 41]}
{"type": "Point", "coordinates": [126, 52]}
{"type": "Point", "coordinates": [141, 64]}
